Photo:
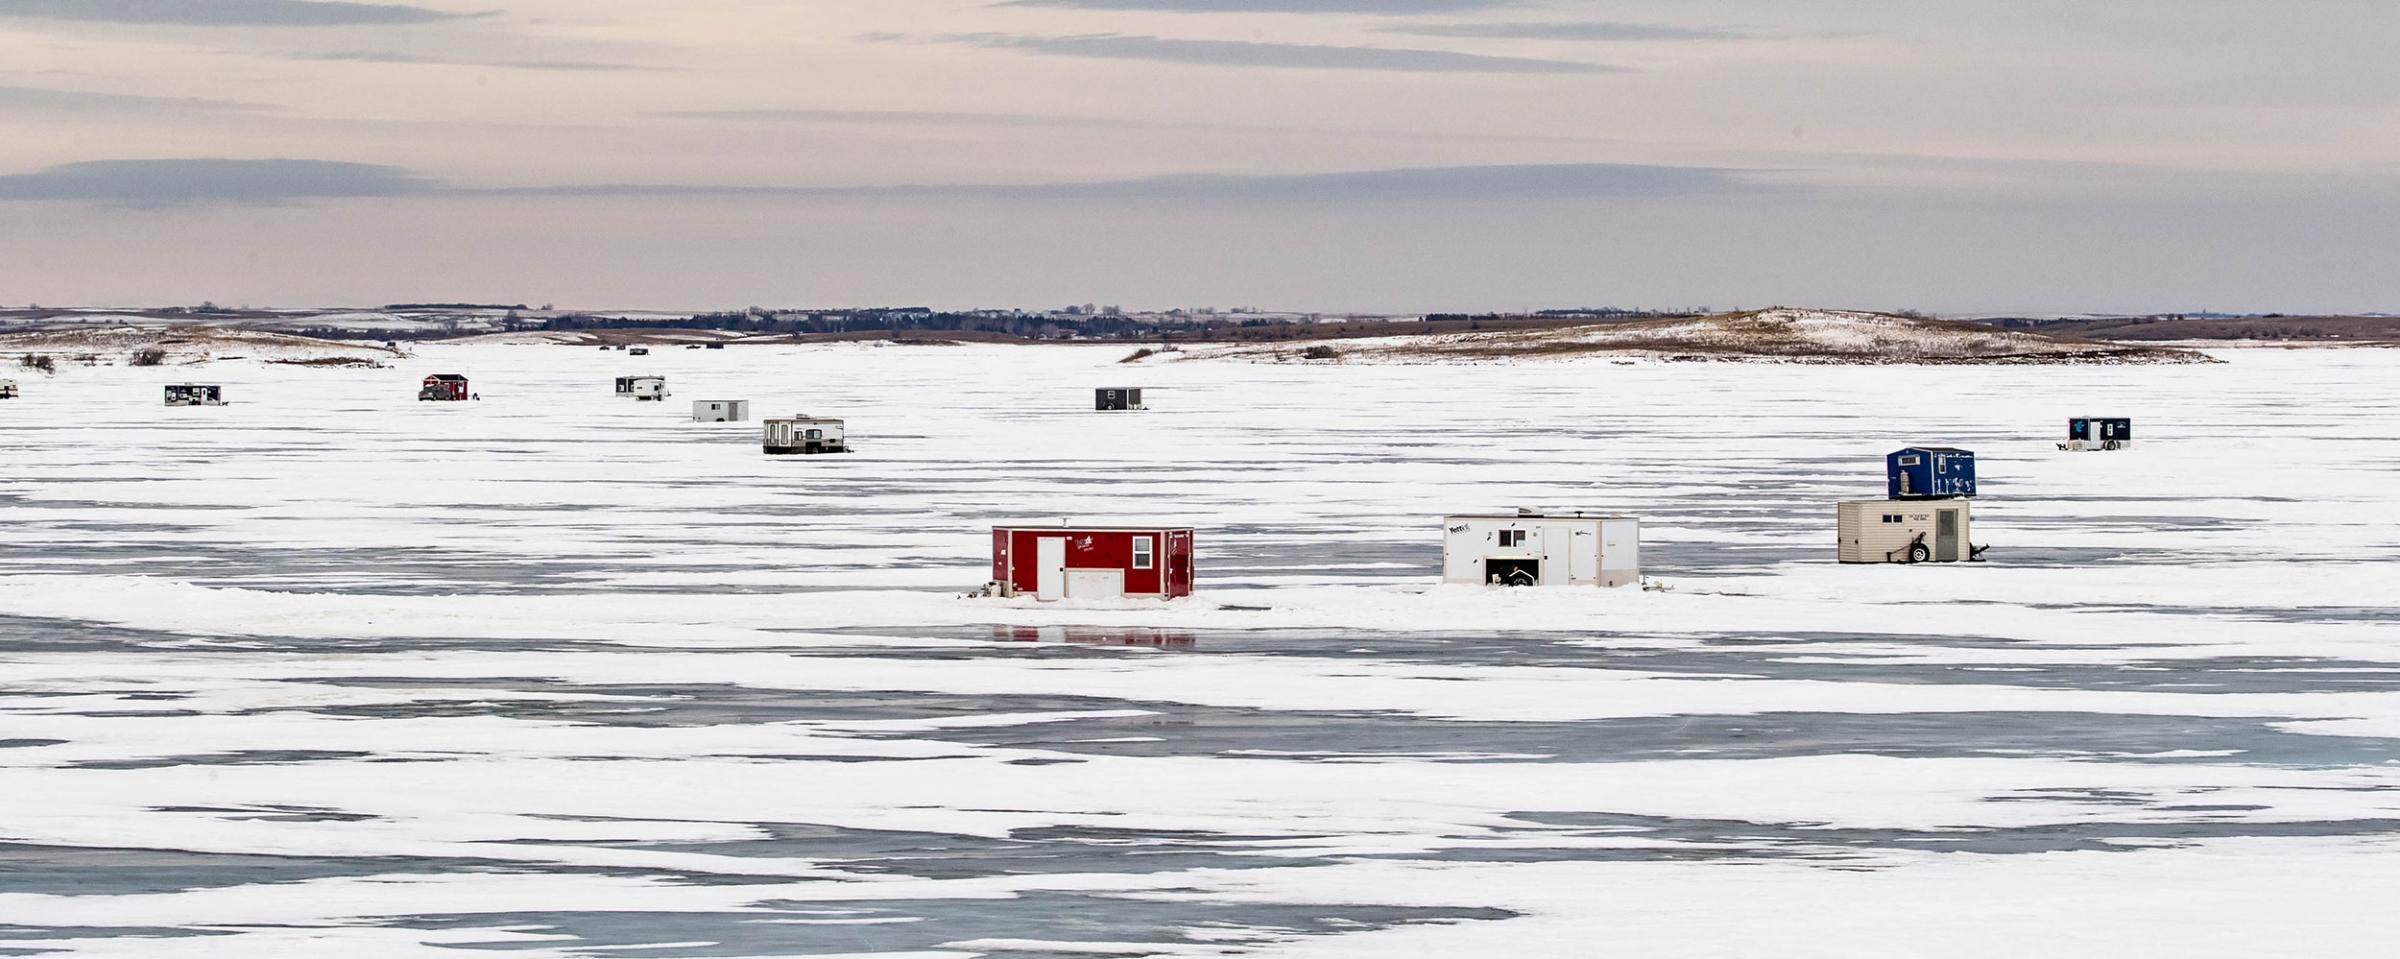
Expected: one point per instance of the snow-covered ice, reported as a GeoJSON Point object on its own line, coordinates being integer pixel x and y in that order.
{"type": "Point", "coordinates": [558, 674]}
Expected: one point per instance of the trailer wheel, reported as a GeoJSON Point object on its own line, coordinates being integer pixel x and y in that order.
{"type": "Point", "coordinates": [1918, 553]}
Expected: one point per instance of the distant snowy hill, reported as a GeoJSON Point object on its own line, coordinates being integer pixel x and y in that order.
{"type": "Point", "coordinates": [1773, 335]}
{"type": "Point", "coordinates": [181, 344]}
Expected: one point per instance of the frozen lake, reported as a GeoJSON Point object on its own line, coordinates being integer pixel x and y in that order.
{"type": "Point", "coordinates": [555, 674]}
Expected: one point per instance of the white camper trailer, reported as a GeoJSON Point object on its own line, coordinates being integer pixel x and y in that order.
{"type": "Point", "coordinates": [720, 411]}
{"type": "Point", "coordinates": [642, 387]}
{"type": "Point", "coordinates": [1906, 531]}
{"type": "Point", "coordinates": [805, 434]}
{"type": "Point", "coordinates": [1542, 549]}
{"type": "Point", "coordinates": [8, 389]}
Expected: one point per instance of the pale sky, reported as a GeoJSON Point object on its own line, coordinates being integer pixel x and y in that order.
{"type": "Point", "coordinates": [1401, 155]}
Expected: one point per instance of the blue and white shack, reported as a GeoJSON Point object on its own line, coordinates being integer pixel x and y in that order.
{"type": "Point", "coordinates": [2098, 433]}
{"type": "Point", "coordinates": [1930, 472]}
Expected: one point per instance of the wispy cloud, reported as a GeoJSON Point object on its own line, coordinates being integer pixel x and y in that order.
{"type": "Point", "coordinates": [1274, 6]}
{"type": "Point", "coordinates": [227, 13]}
{"type": "Point", "coordinates": [231, 182]}
{"type": "Point", "coordinates": [1524, 181]}
{"type": "Point", "coordinates": [379, 56]}
{"type": "Point", "coordinates": [1596, 31]}
{"type": "Point", "coordinates": [886, 117]}
{"type": "Point", "coordinates": [211, 182]}
{"type": "Point", "coordinates": [32, 99]}
{"type": "Point", "coordinates": [1244, 53]}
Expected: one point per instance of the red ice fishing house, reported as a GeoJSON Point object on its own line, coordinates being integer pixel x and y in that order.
{"type": "Point", "coordinates": [444, 387]}
{"type": "Point", "coordinates": [1093, 562]}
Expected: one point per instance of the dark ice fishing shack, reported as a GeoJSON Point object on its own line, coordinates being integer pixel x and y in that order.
{"type": "Point", "coordinates": [1930, 472]}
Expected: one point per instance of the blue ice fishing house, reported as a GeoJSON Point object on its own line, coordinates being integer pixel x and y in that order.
{"type": "Point", "coordinates": [1930, 472]}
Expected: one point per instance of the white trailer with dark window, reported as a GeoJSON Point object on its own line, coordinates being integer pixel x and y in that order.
{"type": "Point", "coordinates": [1542, 549]}
{"type": "Point", "coordinates": [720, 411]}
{"type": "Point", "coordinates": [651, 388]}
{"type": "Point", "coordinates": [8, 389]}
{"type": "Point", "coordinates": [1906, 531]}
{"type": "Point", "coordinates": [805, 434]}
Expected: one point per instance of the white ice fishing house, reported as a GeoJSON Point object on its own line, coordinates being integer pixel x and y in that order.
{"type": "Point", "coordinates": [8, 389]}
{"type": "Point", "coordinates": [642, 387]}
{"type": "Point", "coordinates": [1542, 549]}
{"type": "Point", "coordinates": [1906, 531]}
{"type": "Point", "coordinates": [720, 411]}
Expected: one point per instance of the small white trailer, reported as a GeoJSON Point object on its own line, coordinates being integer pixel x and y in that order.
{"type": "Point", "coordinates": [720, 411]}
{"type": "Point", "coordinates": [1532, 548]}
{"type": "Point", "coordinates": [1906, 531]}
{"type": "Point", "coordinates": [648, 388]}
{"type": "Point", "coordinates": [8, 389]}
{"type": "Point", "coordinates": [805, 434]}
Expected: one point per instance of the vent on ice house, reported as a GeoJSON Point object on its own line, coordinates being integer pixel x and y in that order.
{"type": "Point", "coordinates": [444, 387]}
{"type": "Point", "coordinates": [1532, 548]}
{"type": "Point", "coordinates": [195, 394]}
{"type": "Point", "coordinates": [2098, 433]}
{"type": "Point", "coordinates": [1930, 472]}
{"type": "Point", "coordinates": [642, 387]}
{"type": "Point", "coordinates": [720, 411]}
{"type": "Point", "coordinates": [805, 434]}
{"type": "Point", "coordinates": [1092, 562]}
{"type": "Point", "coordinates": [1118, 398]}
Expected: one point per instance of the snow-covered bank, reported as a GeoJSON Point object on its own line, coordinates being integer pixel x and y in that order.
{"type": "Point", "coordinates": [1780, 335]}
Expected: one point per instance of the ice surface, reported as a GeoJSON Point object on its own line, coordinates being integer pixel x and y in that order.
{"type": "Point", "coordinates": [559, 674]}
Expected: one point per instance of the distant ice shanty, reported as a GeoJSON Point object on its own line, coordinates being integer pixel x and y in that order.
{"type": "Point", "coordinates": [1930, 472]}
{"type": "Point", "coordinates": [1118, 398]}
{"type": "Point", "coordinates": [8, 389]}
{"type": "Point", "coordinates": [1092, 562]}
{"type": "Point", "coordinates": [650, 388]}
{"type": "Point", "coordinates": [638, 351]}
{"type": "Point", "coordinates": [805, 434]}
{"type": "Point", "coordinates": [720, 411]}
{"type": "Point", "coordinates": [1532, 548]}
{"type": "Point", "coordinates": [195, 394]}
{"type": "Point", "coordinates": [2098, 433]}
{"type": "Point", "coordinates": [1906, 531]}
{"type": "Point", "coordinates": [444, 387]}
